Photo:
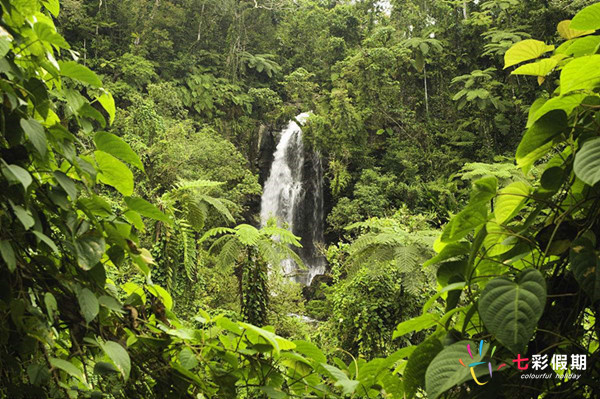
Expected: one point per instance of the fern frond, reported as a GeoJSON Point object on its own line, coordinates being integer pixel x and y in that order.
{"type": "Point", "coordinates": [285, 236]}
{"type": "Point", "coordinates": [219, 205]}
{"type": "Point", "coordinates": [196, 215]}
{"type": "Point", "coordinates": [189, 252]}
{"type": "Point", "coordinates": [183, 185]}
{"type": "Point", "coordinates": [229, 254]}
{"type": "Point", "coordinates": [407, 258]}
{"type": "Point", "coordinates": [215, 232]}
{"type": "Point", "coordinates": [218, 244]}
{"type": "Point", "coordinates": [287, 252]}
{"type": "Point", "coordinates": [247, 234]}
{"type": "Point", "coordinates": [376, 240]}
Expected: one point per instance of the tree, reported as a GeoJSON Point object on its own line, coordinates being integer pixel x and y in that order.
{"type": "Point", "coordinates": [189, 205]}
{"type": "Point", "coordinates": [421, 48]}
{"type": "Point", "coordinates": [250, 251]}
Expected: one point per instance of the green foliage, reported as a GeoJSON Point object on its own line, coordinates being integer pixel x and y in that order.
{"type": "Point", "coordinates": [509, 248]}
{"type": "Point", "coordinates": [70, 329]}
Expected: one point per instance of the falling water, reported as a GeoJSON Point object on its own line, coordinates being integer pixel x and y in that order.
{"type": "Point", "coordinates": [293, 194]}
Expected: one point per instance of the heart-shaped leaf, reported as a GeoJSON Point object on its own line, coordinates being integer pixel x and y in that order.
{"type": "Point", "coordinates": [114, 173]}
{"type": "Point", "coordinates": [445, 370]}
{"type": "Point", "coordinates": [524, 51]}
{"type": "Point", "coordinates": [510, 310]}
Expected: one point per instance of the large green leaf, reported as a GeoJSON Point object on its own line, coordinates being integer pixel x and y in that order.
{"type": "Point", "coordinates": [119, 356]}
{"type": "Point", "coordinates": [582, 73]}
{"type": "Point", "coordinates": [67, 184]}
{"type": "Point", "coordinates": [310, 350]}
{"type": "Point", "coordinates": [146, 209]}
{"type": "Point", "coordinates": [117, 147]}
{"type": "Point", "coordinates": [450, 251]}
{"type": "Point", "coordinates": [582, 46]}
{"type": "Point", "coordinates": [464, 222]}
{"type": "Point", "coordinates": [567, 32]}
{"type": "Point", "coordinates": [8, 255]}
{"type": "Point", "coordinates": [511, 200]}
{"type": "Point", "coordinates": [36, 134]}
{"type": "Point", "coordinates": [566, 103]}
{"type": "Point", "coordinates": [16, 174]}
{"type": "Point", "coordinates": [89, 304]}
{"type": "Point", "coordinates": [445, 370]}
{"type": "Point", "coordinates": [187, 358]}
{"type": "Point", "coordinates": [89, 248]}
{"type": "Point", "coordinates": [510, 310]}
{"type": "Point", "coordinates": [38, 374]}
{"type": "Point", "coordinates": [53, 6]}
{"type": "Point", "coordinates": [272, 339]}
{"type": "Point", "coordinates": [416, 367]}
{"type": "Point", "coordinates": [79, 72]}
{"type": "Point", "coordinates": [585, 263]}
{"type": "Point", "coordinates": [108, 103]}
{"type": "Point", "coordinates": [114, 173]}
{"type": "Point", "coordinates": [24, 216]}
{"type": "Point", "coordinates": [47, 240]}
{"type": "Point", "coordinates": [538, 139]}
{"type": "Point", "coordinates": [524, 51]}
{"type": "Point", "coordinates": [540, 68]}
{"type": "Point", "coordinates": [587, 162]}
{"type": "Point", "coordinates": [483, 190]}
{"type": "Point", "coordinates": [68, 367]}
{"type": "Point", "coordinates": [588, 18]}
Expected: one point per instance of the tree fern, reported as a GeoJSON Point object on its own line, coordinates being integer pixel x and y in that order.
{"type": "Point", "coordinates": [385, 242]}
{"type": "Point", "coordinates": [247, 249]}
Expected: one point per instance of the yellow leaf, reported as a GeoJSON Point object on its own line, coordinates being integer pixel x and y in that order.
{"type": "Point", "coordinates": [525, 50]}
{"type": "Point", "coordinates": [565, 31]}
{"type": "Point", "coordinates": [540, 68]}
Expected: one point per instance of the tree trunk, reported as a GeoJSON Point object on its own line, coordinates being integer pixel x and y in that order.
{"type": "Point", "coordinates": [426, 94]}
{"type": "Point", "coordinates": [465, 15]}
{"type": "Point", "coordinates": [200, 23]}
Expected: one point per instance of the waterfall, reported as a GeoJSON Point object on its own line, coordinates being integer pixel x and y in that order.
{"type": "Point", "coordinates": [293, 194]}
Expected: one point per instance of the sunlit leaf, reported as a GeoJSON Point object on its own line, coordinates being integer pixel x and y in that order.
{"type": "Point", "coordinates": [525, 50]}
{"type": "Point", "coordinates": [114, 173]}
{"type": "Point", "coordinates": [588, 18]}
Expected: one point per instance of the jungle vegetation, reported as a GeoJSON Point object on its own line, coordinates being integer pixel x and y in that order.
{"type": "Point", "coordinates": [461, 144]}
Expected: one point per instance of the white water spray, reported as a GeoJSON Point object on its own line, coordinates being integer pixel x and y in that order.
{"type": "Point", "coordinates": [293, 194]}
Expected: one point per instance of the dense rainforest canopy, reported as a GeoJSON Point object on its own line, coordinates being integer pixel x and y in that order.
{"type": "Point", "coordinates": [460, 147]}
